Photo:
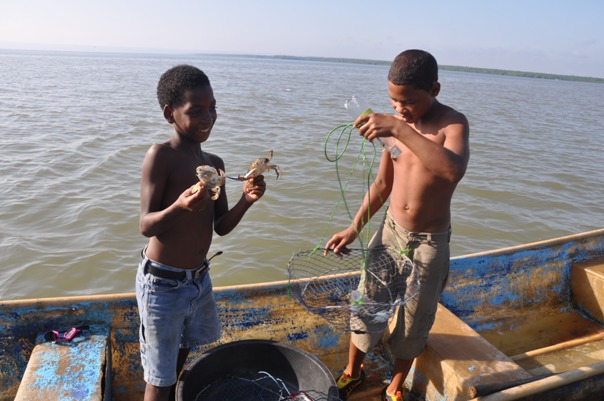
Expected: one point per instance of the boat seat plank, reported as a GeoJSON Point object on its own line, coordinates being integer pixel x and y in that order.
{"type": "Point", "coordinates": [587, 280]}
{"type": "Point", "coordinates": [460, 360]}
{"type": "Point", "coordinates": [68, 370]}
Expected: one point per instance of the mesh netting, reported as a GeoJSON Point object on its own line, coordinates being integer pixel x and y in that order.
{"type": "Point", "coordinates": [357, 291]}
{"type": "Point", "coordinates": [259, 387]}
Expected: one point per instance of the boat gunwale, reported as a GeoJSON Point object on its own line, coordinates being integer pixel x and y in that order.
{"type": "Point", "coordinates": [532, 245]}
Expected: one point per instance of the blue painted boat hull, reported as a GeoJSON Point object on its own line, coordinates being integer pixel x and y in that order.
{"type": "Point", "coordinates": [503, 313]}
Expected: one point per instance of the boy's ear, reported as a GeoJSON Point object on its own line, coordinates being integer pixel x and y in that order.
{"type": "Point", "coordinates": [435, 89]}
{"type": "Point", "coordinates": [168, 114]}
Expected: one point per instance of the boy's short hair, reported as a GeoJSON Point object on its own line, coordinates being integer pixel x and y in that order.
{"type": "Point", "coordinates": [414, 67]}
{"type": "Point", "coordinates": [174, 82]}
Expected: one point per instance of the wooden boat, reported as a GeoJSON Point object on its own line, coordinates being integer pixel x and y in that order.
{"type": "Point", "coordinates": [520, 323]}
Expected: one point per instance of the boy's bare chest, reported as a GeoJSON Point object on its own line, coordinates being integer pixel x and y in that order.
{"type": "Point", "coordinates": [184, 168]}
{"type": "Point", "coordinates": [430, 131]}
{"type": "Point", "coordinates": [182, 176]}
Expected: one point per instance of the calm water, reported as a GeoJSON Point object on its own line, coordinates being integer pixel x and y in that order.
{"type": "Point", "coordinates": [75, 128]}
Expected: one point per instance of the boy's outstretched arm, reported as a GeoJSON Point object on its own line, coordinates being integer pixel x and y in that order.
{"type": "Point", "coordinates": [226, 220]}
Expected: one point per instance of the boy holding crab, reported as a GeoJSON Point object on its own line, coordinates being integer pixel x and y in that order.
{"type": "Point", "coordinates": [173, 288]}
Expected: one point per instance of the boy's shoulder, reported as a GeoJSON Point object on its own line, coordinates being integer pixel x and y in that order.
{"type": "Point", "coordinates": [162, 157]}
{"type": "Point", "coordinates": [161, 151]}
{"type": "Point", "coordinates": [451, 115]}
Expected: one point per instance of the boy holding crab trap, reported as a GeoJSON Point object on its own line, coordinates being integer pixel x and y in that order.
{"type": "Point", "coordinates": [434, 140]}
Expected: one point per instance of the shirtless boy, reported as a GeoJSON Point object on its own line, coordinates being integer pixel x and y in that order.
{"type": "Point", "coordinates": [173, 288]}
{"type": "Point", "coordinates": [434, 139]}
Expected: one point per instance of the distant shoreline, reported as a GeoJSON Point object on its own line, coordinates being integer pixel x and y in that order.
{"type": "Point", "coordinates": [492, 71]}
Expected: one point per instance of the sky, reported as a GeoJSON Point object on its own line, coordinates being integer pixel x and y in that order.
{"type": "Point", "coordinates": [547, 36]}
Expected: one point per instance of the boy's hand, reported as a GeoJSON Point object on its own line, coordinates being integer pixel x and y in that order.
{"type": "Point", "coordinates": [195, 198]}
{"type": "Point", "coordinates": [378, 125]}
{"type": "Point", "coordinates": [253, 188]}
{"type": "Point", "coordinates": [339, 241]}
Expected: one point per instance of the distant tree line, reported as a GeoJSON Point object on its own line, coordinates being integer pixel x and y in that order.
{"type": "Point", "coordinates": [522, 74]}
{"type": "Point", "coordinates": [447, 67]}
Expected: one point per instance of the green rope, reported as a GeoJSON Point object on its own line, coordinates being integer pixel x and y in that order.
{"type": "Point", "coordinates": [342, 142]}
{"type": "Point", "coordinates": [344, 129]}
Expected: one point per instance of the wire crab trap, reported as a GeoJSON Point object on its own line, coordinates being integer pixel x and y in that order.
{"type": "Point", "coordinates": [356, 291]}
{"type": "Point", "coordinates": [259, 387]}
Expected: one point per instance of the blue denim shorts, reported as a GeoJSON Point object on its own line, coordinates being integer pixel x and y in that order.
{"type": "Point", "coordinates": [174, 314]}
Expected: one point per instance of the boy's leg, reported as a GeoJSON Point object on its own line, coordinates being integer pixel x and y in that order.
{"type": "Point", "coordinates": [400, 372]}
{"type": "Point", "coordinates": [154, 393]}
{"type": "Point", "coordinates": [183, 353]}
{"type": "Point", "coordinates": [355, 360]}
{"type": "Point", "coordinates": [353, 375]}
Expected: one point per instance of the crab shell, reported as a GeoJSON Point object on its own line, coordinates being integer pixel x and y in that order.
{"type": "Point", "coordinates": [211, 179]}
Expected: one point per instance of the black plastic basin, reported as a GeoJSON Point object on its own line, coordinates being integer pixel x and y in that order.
{"type": "Point", "coordinates": [207, 377]}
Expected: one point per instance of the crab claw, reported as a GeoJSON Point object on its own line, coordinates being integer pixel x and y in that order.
{"type": "Point", "coordinates": [276, 169]}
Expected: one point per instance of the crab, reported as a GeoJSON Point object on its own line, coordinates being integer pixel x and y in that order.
{"type": "Point", "coordinates": [211, 179]}
{"type": "Point", "coordinates": [259, 166]}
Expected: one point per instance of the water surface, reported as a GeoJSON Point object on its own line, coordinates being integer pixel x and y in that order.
{"type": "Point", "coordinates": [75, 128]}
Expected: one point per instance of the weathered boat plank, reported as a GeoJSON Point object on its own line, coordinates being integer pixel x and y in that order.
{"type": "Point", "coordinates": [457, 359]}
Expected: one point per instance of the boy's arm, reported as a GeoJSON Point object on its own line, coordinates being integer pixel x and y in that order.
{"type": "Point", "coordinates": [375, 197]}
{"type": "Point", "coordinates": [447, 159]}
{"type": "Point", "coordinates": [153, 218]}
{"type": "Point", "coordinates": [226, 220]}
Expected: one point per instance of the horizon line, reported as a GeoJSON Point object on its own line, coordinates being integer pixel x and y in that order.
{"type": "Point", "coordinates": [152, 51]}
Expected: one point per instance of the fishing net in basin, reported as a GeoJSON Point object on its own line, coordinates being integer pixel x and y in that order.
{"type": "Point", "coordinates": [261, 386]}
{"type": "Point", "coordinates": [357, 291]}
